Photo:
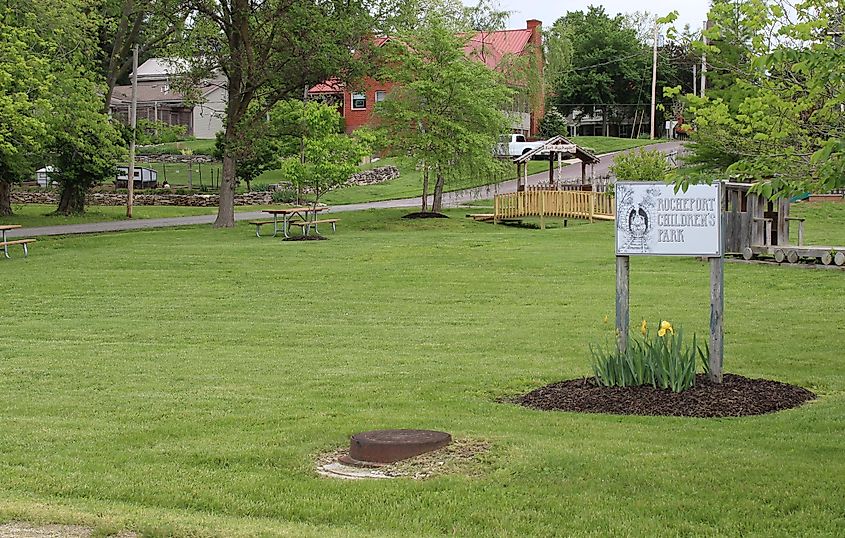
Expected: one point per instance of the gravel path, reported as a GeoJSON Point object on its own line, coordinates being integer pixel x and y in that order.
{"type": "Point", "coordinates": [451, 199]}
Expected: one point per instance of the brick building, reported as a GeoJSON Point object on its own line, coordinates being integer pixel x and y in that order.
{"type": "Point", "coordinates": [492, 48]}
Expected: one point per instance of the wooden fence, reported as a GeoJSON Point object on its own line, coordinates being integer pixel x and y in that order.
{"type": "Point", "coordinates": [547, 203]}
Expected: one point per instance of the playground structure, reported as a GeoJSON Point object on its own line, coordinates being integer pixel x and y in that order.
{"type": "Point", "coordinates": [575, 199]}
{"type": "Point", "coordinates": [757, 227]}
{"type": "Point", "coordinates": [557, 149]}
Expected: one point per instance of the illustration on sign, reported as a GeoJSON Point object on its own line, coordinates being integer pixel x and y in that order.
{"type": "Point", "coordinates": [652, 219]}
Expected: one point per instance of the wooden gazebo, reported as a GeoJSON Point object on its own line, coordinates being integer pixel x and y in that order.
{"type": "Point", "coordinates": [557, 148]}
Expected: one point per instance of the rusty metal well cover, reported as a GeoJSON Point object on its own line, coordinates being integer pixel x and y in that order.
{"type": "Point", "coordinates": [387, 446]}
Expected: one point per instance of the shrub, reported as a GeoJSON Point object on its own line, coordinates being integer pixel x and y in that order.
{"type": "Point", "coordinates": [261, 187]}
{"type": "Point", "coordinates": [159, 132]}
{"type": "Point", "coordinates": [284, 196]}
{"type": "Point", "coordinates": [642, 165]}
{"type": "Point", "coordinates": [553, 124]}
{"type": "Point", "coordinates": [659, 360]}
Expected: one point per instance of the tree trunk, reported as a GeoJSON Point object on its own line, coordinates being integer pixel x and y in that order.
{"type": "Point", "coordinates": [71, 200]}
{"type": "Point", "coordinates": [226, 207]}
{"type": "Point", "coordinates": [437, 202]}
{"type": "Point", "coordinates": [425, 189]}
{"type": "Point", "coordinates": [5, 199]}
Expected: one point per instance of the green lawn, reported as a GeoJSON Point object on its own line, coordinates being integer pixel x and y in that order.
{"type": "Point", "coordinates": [197, 147]}
{"type": "Point", "coordinates": [608, 144]}
{"type": "Point", "coordinates": [409, 184]}
{"type": "Point", "coordinates": [30, 215]}
{"type": "Point", "coordinates": [181, 382]}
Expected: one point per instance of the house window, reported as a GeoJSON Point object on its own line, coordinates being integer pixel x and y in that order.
{"type": "Point", "coordinates": [359, 101]}
{"type": "Point", "coordinates": [380, 96]}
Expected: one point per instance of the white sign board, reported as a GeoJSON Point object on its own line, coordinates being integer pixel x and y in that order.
{"type": "Point", "coordinates": [561, 148]}
{"type": "Point", "coordinates": [653, 220]}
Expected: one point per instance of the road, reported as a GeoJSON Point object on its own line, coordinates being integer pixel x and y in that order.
{"type": "Point", "coordinates": [451, 199]}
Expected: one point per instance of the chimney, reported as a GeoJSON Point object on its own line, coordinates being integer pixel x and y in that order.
{"type": "Point", "coordinates": [536, 28]}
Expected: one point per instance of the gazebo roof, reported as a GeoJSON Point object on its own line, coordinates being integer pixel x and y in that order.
{"type": "Point", "coordinates": [580, 153]}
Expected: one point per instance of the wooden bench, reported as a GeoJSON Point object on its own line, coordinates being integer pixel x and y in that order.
{"type": "Point", "coordinates": [307, 224]}
{"type": "Point", "coordinates": [24, 242]}
{"type": "Point", "coordinates": [258, 224]}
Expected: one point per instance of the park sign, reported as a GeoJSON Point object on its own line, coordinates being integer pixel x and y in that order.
{"type": "Point", "coordinates": [653, 220]}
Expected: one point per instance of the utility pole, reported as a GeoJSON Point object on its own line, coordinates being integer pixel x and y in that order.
{"type": "Point", "coordinates": [694, 79]}
{"type": "Point", "coordinates": [133, 113]}
{"type": "Point", "coordinates": [837, 43]}
{"type": "Point", "coordinates": [704, 58]}
{"type": "Point", "coordinates": [654, 77]}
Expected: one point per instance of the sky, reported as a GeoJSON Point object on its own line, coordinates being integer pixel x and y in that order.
{"type": "Point", "coordinates": [692, 12]}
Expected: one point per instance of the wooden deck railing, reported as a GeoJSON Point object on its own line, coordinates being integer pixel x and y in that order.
{"type": "Point", "coordinates": [545, 203]}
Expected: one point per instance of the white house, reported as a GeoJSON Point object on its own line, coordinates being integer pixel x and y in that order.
{"type": "Point", "coordinates": [159, 101]}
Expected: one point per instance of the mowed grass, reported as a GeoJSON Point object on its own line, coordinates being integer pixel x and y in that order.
{"type": "Point", "coordinates": [31, 215]}
{"type": "Point", "coordinates": [196, 147]}
{"type": "Point", "coordinates": [181, 382]}
{"type": "Point", "coordinates": [609, 144]}
{"type": "Point", "coordinates": [409, 184]}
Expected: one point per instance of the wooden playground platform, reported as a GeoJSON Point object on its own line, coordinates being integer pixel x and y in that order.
{"type": "Point", "coordinates": [758, 227]}
{"type": "Point", "coordinates": [542, 203]}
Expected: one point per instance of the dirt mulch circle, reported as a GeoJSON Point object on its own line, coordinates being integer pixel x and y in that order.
{"type": "Point", "coordinates": [461, 456]}
{"type": "Point", "coordinates": [425, 215]}
{"type": "Point", "coordinates": [737, 396]}
{"type": "Point", "coordinates": [306, 238]}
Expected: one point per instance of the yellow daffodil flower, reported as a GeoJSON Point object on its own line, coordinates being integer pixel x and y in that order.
{"type": "Point", "coordinates": [605, 319]}
{"type": "Point", "coordinates": [644, 328]}
{"type": "Point", "coordinates": [665, 327]}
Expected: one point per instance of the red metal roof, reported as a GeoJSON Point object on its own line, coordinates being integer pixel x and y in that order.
{"type": "Point", "coordinates": [329, 86]}
{"type": "Point", "coordinates": [491, 47]}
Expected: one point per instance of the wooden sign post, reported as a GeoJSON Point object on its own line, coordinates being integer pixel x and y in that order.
{"type": "Point", "coordinates": [654, 220]}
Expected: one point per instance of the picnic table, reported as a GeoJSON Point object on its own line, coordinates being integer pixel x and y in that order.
{"type": "Point", "coordinates": [305, 217]}
{"type": "Point", "coordinates": [5, 243]}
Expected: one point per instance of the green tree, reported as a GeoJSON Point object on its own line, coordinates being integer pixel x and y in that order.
{"type": "Point", "coordinates": [153, 25]}
{"type": "Point", "coordinates": [780, 121]}
{"type": "Point", "coordinates": [553, 124]}
{"type": "Point", "coordinates": [609, 65]}
{"type": "Point", "coordinates": [270, 51]}
{"type": "Point", "coordinates": [25, 81]}
{"type": "Point", "coordinates": [327, 158]}
{"type": "Point", "coordinates": [445, 112]}
{"type": "Point", "coordinates": [85, 146]}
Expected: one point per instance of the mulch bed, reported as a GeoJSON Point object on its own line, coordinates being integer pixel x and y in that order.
{"type": "Point", "coordinates": [425, 215]}
{"type": "Point", "coordinates": [737, 396]}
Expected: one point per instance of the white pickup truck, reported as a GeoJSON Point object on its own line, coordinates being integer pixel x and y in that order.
{"type": "Point", "coordinates": [514, 145]}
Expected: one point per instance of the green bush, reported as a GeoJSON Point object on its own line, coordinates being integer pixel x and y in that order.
{"type": "Point", "coordinates": [260, 187]}
{"type": "Point", "coordinates": [159, 132]}
{"type": "Point", "coordinates": [661, 360]}
{"type": "Point", "coordinates": [642, 165]}
{"type": "Point", "coordinates": [553, 124]}
{"type": "Point", "coordinates": [284, 196]}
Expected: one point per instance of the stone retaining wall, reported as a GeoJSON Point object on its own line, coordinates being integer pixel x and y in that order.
{"type": "Point", "coordinates": [374, 176]}
{"type": "Point", "coordinates": [114, 199]}
{"type": "Point", "coordinates": [369, 177]}
{"type": "Point", "coordinates": [181, 159]}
